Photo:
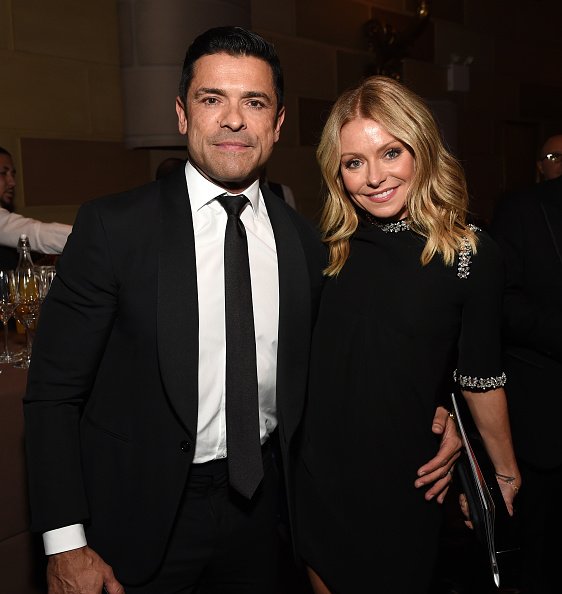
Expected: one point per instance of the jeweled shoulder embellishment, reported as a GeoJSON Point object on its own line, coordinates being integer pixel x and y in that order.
{"type": "Point", "coordinates": [481, 383]}
{"type": "Point", "coordinates": [465, 255]}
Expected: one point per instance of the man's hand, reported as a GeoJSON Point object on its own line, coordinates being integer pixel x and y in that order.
{"type": "Point", "coordinates": [80, 571]}
{"type": "Point", "coordinates": [439, 469]}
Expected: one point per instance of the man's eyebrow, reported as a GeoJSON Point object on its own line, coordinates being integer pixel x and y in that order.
{"type": "Point", "coordinates": [222, 93]}
{"type": "Point", "coordinates": [259, 94]}
{"type": "Point", "coordinates": [209, 91]}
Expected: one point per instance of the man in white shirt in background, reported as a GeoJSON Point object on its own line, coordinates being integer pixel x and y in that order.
{"type": "Point", "coordinates": [46, 238]}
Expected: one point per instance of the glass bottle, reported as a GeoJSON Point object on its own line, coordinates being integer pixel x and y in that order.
{"type": "Point", "coordinates": [27, 298]}
{"type": "Point", "coordinates": [24, 250]}
{"type": "Point", "coordinates": [25, 263]}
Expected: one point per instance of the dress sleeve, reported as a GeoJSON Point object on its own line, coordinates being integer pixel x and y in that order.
{"type": "Point", "coordinates": [479, 366]}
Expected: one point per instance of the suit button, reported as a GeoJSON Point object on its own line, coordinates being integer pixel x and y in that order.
{"type": "Point", "coordinates": [185, 446]}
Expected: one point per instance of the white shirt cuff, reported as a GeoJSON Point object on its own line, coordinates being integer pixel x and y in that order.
{"type": "Point", "coordinates": [64, 539]}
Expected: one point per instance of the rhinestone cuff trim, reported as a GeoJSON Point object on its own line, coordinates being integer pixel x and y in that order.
{"type": "Point", "coordinates": [482, 383]}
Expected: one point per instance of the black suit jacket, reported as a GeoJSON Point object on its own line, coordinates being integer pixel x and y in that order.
{"type": "Point", "coordinates": [112, 398]}
{"type": "Point", "coordinates": [528, 227]}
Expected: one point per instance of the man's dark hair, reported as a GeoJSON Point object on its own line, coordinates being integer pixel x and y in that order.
{"type": "Point", "coordinates": [234, 41]}
{"type": "Point", "coordinates": [3, 151]}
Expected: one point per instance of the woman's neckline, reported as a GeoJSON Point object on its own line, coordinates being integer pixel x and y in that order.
{"type": "Point", "coordinates": [390, 227]}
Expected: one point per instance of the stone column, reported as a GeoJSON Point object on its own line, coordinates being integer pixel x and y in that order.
{"type": "Point", "coordinates": [154, 35]}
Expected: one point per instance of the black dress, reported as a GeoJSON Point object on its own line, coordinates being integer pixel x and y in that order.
{"type": "Point", "coordinates": [389, 336]}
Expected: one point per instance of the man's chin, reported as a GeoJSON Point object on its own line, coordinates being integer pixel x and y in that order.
{"type": "Point", "coordinates": [234, 181]}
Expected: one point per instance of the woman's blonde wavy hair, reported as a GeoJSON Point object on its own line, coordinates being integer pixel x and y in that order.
{"type": "Point", "coordinates": [437, 199]}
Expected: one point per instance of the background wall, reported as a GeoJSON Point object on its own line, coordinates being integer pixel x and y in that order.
{"type": "Point", "coordinates": [63, 117]}
{"type": "Point", "coordinates": [60, 73]}
{"type": "Point", "coordinates": [514, 97]}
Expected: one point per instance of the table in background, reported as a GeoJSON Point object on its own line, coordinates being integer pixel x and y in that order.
{"type": "Point", "coordinates": [21, 558]}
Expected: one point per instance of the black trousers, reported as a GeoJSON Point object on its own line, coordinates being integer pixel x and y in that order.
{"type": "Point", "coordinates": [222, 543]}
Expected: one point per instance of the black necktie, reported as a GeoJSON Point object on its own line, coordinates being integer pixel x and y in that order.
{"type": "Point", "coordinates": [245, 466]}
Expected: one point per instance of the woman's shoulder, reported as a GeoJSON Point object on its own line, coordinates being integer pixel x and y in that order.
{"type": "Point", "coordinates": [486, 257]}
{"type": "Point", "coordinates": [486, 246]}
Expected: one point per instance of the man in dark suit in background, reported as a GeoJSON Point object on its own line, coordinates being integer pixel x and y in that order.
{"type": "Point", "coordinates": [549, 161]}
{"type": "Point", "coordinates": [528, 227]}
{"type": "Point", "coordinates": [127, 411]}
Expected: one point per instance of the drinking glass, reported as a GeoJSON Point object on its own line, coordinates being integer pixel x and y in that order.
{"type": "Point", "coordinates": [27, 308]}
{"type": "Point", "coordinates": [7, 307]}
{"type": "Point", "coordinates": [44, 276]}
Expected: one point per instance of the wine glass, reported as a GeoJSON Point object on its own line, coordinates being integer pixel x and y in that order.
{"type": "Point", "coordinates": [27, 308]}
{"type": "Point", "coordinates": [7, 307]}
{"type": "Point", "coordinates": [44, 276]}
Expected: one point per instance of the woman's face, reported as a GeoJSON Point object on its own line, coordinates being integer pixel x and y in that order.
{"type": "Point", "coordinates": [376, 168]}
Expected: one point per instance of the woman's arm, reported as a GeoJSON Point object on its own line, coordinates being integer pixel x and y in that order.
{"type": "Point", "coordinates": [489, 411]}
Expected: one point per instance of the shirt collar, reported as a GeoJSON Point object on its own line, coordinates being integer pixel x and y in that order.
{"type": "Point", "coordinates": [202, 191]}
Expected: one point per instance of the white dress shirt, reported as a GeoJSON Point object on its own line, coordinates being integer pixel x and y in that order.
{"type": "Point", "coordinates": [46, 238]}
{"type": "Point", "coordinates": [209, 225]}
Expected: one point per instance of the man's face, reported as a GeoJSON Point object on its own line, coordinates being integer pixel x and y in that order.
{"type": "Point", "coordinates": [7, 182]}
{"type": "Point", "coordinates": [230, 119]}
{"type": "Point", "coordinates": [550, 161]}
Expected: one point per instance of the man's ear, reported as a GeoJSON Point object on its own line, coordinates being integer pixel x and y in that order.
{"type": "Point", "coordinates": [182, 118]}
{"type": "Point", "coordinates": [279, 122]}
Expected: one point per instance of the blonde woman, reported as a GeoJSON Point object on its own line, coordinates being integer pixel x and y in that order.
{"type": "Point", "coordinates": [411, 306]}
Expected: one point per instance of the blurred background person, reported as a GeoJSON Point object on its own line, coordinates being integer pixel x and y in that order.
{"type": "Point", "coordinates": [45, 238]}
{"type": "Point", "coordinates": [528, 228]}
{"type": "Point", "coordinates": [280, 190]}
{"type": "Point", "coordinates": [167, 166]}
{"type": "Point", "coordinates": [7, 181]}
{"type": "Point", "coordinates": [549, 162]}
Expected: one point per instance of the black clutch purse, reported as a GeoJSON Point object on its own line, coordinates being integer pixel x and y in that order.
{"type": "Point", "coordinates": [493, 526]}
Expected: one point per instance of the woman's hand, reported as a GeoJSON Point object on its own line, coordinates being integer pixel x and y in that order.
{"type": "Point", "coordinates": [509, 487]}
{"type": "Point", "coordinates": [463, 502]}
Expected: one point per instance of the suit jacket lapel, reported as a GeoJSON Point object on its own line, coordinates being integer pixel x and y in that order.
{"type": "Point", "coordinates": [178, 319]}
{"type": "Point", "coordinates": [294, 317]}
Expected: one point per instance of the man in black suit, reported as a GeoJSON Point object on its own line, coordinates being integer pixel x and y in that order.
{"type": "Point", "coordinates": [528, 227]}
{"type": "Point", "coordinates": [127, 416]}
{"type": "Point", "coordinates": [549, 161]}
